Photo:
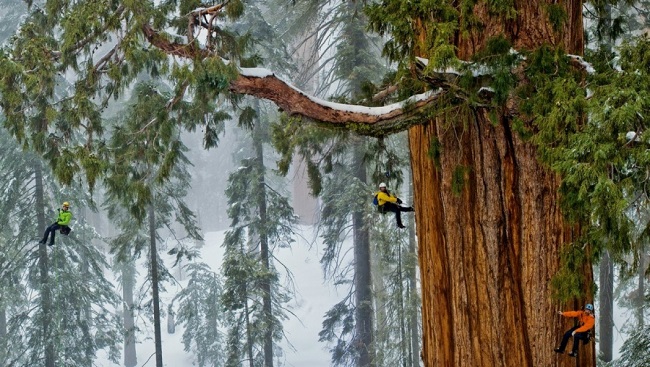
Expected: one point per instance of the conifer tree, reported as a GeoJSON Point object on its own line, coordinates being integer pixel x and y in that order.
{"type": "Point", "coordinates": [200, 310]}
{"type": "Point", "coordinates": [634, 350]}
{"type": "Point", "coordinates": [146, 187]}
{"type": "Point", "coordinates": [15, 245]}
{"type": "Point", "coordinates": [262, 221]}
{"type": "Point", "coordinates": [55, 327]}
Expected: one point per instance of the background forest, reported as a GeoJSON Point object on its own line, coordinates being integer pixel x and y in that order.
{"type": "Point", "coordinates": [211, 228]}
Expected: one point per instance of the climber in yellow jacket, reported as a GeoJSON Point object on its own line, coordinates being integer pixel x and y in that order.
{"type": "Point", "coordinates": [387, 202]}
{"type": "Point", "coordinates": [586, 321]}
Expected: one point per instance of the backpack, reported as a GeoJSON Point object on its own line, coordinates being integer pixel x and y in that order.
{"type": "Point", "coordinates": [65, 230]}
{"type": "Point", "coordinates": [380, 208]}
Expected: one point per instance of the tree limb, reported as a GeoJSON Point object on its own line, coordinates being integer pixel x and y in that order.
{"type": "Point", "coordinates": [264, 84]}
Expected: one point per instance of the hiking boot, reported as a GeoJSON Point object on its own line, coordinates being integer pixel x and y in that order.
{"type": "Point", "coordinates": [558, 350]}
{"type": "Point", "coordinates": [51, 244]}
{"type": "Point", "coordinates": [572, 354]}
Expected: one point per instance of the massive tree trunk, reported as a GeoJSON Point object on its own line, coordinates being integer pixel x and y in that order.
{"type": "Point", "coordinates": [489, 245]}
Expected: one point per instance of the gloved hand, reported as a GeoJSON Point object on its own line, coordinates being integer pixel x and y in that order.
{"type": "Point", "coordinates": [559, 313]}
{"type": "Point", "coordinates": [573, 333]}
{"type": "Point", "coordinates": [399, 201]}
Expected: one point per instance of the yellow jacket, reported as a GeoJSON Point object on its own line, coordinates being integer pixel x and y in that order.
{"type": "Point", "coordinates": [383, 197]}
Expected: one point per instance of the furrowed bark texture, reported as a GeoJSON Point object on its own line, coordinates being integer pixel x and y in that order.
{"type": "Point", "coordinates": [489, 243]}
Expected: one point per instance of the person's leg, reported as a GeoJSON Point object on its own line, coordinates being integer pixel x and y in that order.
{"type": "Point", "coordinates": [46, 234]}
{"type": "Point", "coordinates": [565, 340]}
{"type": "Point", "coordinates": [53, 228]}
{"type": "Point", "coordinates": [390, 207]}
{"type": "Point", "coordinates": [398, 218]}
{"type": "Point", "coordinates": [576, 341]}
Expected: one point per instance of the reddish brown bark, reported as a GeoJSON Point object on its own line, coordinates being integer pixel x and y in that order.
{"type": "Point", "coordinates": [489, 247]}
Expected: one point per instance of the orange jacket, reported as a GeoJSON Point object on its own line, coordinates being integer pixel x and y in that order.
{"type": "Point", "coordinates": [586, 321]}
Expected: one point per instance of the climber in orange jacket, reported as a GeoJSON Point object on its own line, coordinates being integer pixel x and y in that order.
{"type": "Point", "coordinates": [586, 322]}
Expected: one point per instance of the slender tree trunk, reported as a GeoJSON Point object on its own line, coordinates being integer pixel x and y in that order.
{"type": "Point", "coordinates": [362, 277]}
{"type": "Point", "coordinates": [264, 249]}
{"type": "Point", "coordinates": [249, 332]}
{"type": "Point", "coordinates": [381, 331]}
{"type": "Point", "coordinates": [153, 252]}
{"type": "Point", "coordinates": [128, 282]}
{"type": "Point", "coordinates": [412, 292]}
{"type": "Point", "coordinates": [488, 252]}
{"type": "Point", "coordinates": [171, 320]}
{"type": "Point", "coordinates": [3, 325]}
{"type": "Point", "coordinates": [3, 334]}
{"type": "Point", "coordinates": [402, 309]}
{"type": "Point", "coordinates": [640, 300]}
{"type": "Point", "coordinates": [606, 268]}
{"type": "Point", "coordinates": [46, 293]}
{"type": "Point", "coordinates": [88, 319]}
{"type": "Point", "coordinates": [606, 307]}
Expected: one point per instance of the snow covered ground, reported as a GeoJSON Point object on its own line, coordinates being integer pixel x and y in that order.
{"type": "Point", "coordinates": [312, 300]}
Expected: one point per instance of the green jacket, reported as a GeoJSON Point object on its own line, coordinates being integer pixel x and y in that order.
{"type": "Point", "coordinates": [64, 217]}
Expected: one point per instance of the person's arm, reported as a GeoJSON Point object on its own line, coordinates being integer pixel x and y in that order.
{"type": "Point", "coordinates": [571, 313]}
{"type": "Point", "coordinates": [589, 323]}
{"type": "Point", "coordinates": [382, 196]}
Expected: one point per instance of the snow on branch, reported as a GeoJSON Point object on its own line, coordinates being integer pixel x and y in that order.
{"type": "Point", "coordinates": [263, 83]}
{"type": "Point", "coordinates": [482, 70]}
{"type": "Point", "coordinates": [580, 62]}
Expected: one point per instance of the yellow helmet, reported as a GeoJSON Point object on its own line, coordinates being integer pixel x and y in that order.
{"type": "Point", "coordinates": [65, 203]}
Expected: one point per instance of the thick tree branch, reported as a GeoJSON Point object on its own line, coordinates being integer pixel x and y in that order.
{"type": "Point", "coordinates": [374, 121]}
{"type": "Point", "coordinates": [264, 84]}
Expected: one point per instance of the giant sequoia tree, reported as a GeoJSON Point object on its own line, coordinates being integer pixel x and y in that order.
{"type": "Point", "coordinates": [510, 177]}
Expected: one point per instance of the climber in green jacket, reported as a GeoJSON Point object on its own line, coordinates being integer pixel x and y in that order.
{"type": "Point", "coordinates": [61, 223]}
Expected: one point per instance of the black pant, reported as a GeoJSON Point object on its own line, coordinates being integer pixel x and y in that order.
{"type": "Point", "coordinates": [391, 207]}
{"type": "Point", "coordinates": [576, 338]}
{"type": "Point", "coordinates": [51, 230]}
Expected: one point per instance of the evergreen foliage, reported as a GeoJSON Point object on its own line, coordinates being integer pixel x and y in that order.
{"type": "Point", "coordinates": [248, 275]}
{"type": "Point", "coordinates": [634, 352]}
{"type": "Point", "coordinates": [200, 312]}
{"type": "Point", "coordinates": [148, 177]}
{"type": "Point", "coordinates": [106, 56]}
{"type": "Point", "coordinates": [82, 320]}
